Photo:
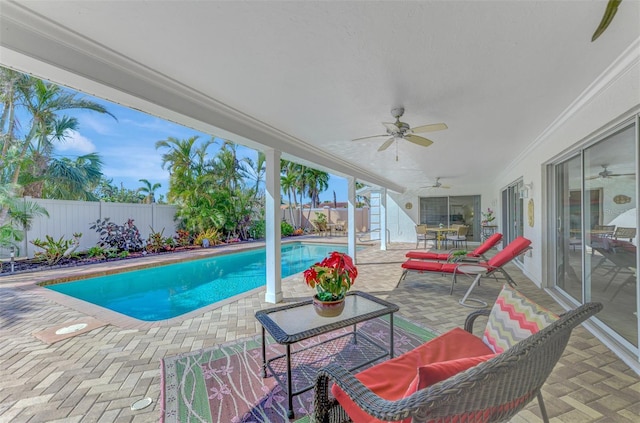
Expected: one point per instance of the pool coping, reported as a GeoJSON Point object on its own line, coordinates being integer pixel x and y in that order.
{"type": "Point", "coordinates": [35, 283]}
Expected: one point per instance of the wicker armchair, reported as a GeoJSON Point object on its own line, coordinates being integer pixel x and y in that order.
{"type": "Point", "coordinates": [493, 391]}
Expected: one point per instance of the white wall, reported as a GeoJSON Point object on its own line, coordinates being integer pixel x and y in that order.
{"type": "Point", "coordinates": [69, 217]}
{"type": "Point", "coordinates": [401, 221]}
{"type": "Point", "coordinates": [613, 97]}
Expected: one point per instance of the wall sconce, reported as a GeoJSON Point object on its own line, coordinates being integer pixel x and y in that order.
{"type": "Point", "coordinates": [524, 193]}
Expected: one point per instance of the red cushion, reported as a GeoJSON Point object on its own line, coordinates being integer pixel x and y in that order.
{"type": "Point", "coordinates": [487, 245]}
{"type": "Point", "coordinates": [426, 255]}
{"type": "Point", "coordinates": [431, 374]}
{"type": "Point", "coordinates": [508, 253]}
{"type": "Point", "coordinates": [391, 378]}
{"type": "Point", "coordinates": [431, 266]}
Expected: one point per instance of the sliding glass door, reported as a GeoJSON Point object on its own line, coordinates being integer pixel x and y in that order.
{"type": "Point", "coordinates": [512, 213]}
{"type": "Point", "coordinates": [595, 201]}
{"type": "Point", "coordinates": [462, 210]}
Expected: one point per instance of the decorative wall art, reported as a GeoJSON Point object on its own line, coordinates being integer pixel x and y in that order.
{"type": "Point", "coordinates": [621, 199]}
{"type": "Point", "coordinates": [530, 212]}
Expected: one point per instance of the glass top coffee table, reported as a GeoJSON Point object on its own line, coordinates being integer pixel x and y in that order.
{"type": "Point", "coordinates": [295, 371]}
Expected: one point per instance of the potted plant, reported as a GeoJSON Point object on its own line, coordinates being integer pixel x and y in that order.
{"type": "Point", "coordinates": [488, 217]}
{"type": "Point", "coordinates": [331, 278]}
{"type": "Point", "coordinates": [457, 256]}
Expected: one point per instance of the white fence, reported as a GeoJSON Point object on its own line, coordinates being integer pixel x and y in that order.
{"type": "Point", "coordinates": [333, 216]}
{"type": "Point", "coordinates": [69, 217]}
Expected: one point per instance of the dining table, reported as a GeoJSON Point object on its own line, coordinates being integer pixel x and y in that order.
{"type": "Point", "coordinates": [441, 233]}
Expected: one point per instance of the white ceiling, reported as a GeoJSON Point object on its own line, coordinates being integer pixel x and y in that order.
{"type": "Point", "coordinates": [309, 76]}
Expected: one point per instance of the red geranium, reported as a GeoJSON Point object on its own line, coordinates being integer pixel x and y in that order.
{"type": "Point", "coordinates": [332, 277]}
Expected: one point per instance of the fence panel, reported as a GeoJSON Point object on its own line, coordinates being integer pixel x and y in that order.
{"type": "Point", "coordinates": [69, 217]}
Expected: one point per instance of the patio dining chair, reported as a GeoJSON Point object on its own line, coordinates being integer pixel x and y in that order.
{"type": "Point", "coordinates": [423, 234]}
{"type": "Point", "coordinates": [458, 238]}
{"type": "Point", "coordinates": [624, 234]}
{"type": "Point", "coordinates": [444, 384]}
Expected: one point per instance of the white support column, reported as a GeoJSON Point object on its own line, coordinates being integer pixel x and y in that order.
{"type": "Point", "coordinates": [273, 217]}
{"type": "Point", "coordinates": [383, 219]}
{"type": "Point", "coordinates": [351, 213]}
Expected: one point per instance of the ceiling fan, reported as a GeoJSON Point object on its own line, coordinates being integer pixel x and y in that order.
{"type": "Point", "coordinates": [606, 173]}
{"type": "Point", "coordinates": [401, 130]}
{"type": "Point", "coordinates": [437, 184]}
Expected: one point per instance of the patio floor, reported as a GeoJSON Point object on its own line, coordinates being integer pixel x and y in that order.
{"type": "Point", "coordinates": [97, 375]}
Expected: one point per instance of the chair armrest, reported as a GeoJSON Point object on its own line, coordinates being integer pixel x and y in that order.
{"type": "Point", "coordinates": [471, 318]}
{"type": "Point", "coordinates": [362, 396]}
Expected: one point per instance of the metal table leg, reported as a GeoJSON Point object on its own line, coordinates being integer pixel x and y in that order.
{"type": "Point", "coordinates": [466, 300]}
{"type": "Point", "coordinates": [391, 353]}
{"type": "Point", "coordinates": [289, 383]}
{"type": "Point", "coordinates": [264, 354]}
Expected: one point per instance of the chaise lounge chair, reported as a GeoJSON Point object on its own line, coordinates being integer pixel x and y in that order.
{"type": "Point", "coordinates": [495, 265]}
{"type": "Point", "coordinates": [474, 255]}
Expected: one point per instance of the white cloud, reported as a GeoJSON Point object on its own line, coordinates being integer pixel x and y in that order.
{"type": "Point", "coordinates": [75, 142]}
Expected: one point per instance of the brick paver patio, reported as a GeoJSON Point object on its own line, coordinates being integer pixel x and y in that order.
{"type": "Point", "coordinates": [97, 375]}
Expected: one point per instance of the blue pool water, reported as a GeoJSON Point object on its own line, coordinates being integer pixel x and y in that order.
{"type": "Point", "coordinates": [164, 292]}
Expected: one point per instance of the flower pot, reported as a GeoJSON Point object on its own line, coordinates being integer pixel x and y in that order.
{"type": "Point", "coordinates": [328, 308]}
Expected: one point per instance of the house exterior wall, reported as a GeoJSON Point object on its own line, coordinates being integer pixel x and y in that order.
{"type": "Point", "coordinates": [610, 99]}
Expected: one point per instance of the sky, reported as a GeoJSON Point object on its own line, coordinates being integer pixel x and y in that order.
{"type": "Point", "coordinates": [127, 147]}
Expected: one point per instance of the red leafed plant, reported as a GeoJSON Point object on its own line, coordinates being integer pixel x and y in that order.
{"type": "Point", "coordinates": [332, 277]}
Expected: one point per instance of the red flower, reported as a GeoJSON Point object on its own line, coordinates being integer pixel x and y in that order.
{"type": "Point", "coordinates": [333, 276]}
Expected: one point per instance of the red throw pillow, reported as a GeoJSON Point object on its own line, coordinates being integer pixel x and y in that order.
{"type": "Point", "coordinates": [430, 374]}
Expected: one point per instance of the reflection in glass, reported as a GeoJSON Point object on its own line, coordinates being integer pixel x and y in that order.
{"type": "Point", "coordinates": [569, 230]}
{"type": "Point", "coordinates": [610, 225]}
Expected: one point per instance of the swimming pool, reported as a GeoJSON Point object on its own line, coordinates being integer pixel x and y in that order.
{"type": "Point", "coordinates": [164, 292]}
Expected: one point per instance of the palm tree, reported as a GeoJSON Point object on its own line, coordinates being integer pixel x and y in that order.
{"type": "Point", "coordinates": [43, 101]}
{"type": "Point", "coordinates": [288, 183]}
{"type": "Point", "coordinates": [67, 179]}
{"type": "Point", "coordinates": [149, 190]}
{"type": "Point", "coordinates": [22, 212]}
{"type": "Point", "coordinates": [30, 156]}
{"type": "Point", "coordinates": [254, 171]}
{"type": "Point", "coordinates": [184, 162]}
{"type": "Point", "coordinates": [317, 181]}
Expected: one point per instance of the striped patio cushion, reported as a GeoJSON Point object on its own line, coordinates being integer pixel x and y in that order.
{"type": "Point", "coordinates": [513, 318]}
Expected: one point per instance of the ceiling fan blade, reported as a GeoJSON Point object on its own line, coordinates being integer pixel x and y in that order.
{"type": "Point", "coordinates": [391, 127]}
{"type": "Point", "coordinates": [430, 128]}
{"type": "Point", "coordinates": [372, 136]}
{"type": "Point", "coordinates": [424, 142]}
{"type": "Point", "coordinates": [623, 174]}
{"type": "Point", "coordinates": [386, 144]}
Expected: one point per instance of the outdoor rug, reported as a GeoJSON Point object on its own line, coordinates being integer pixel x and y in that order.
{"type": "Point", "coordinates": [225, 384]}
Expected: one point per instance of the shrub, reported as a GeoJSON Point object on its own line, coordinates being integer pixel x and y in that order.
{"type": "Point", "coordinates": [155, 242]}
{"type": "Point", "coordinates": [122, 238]}
{"type": "Point", "coordinates": [183, 238]}
{"type": "Point", "coordinates": [257, 230]}
{"type": "Point", "coordinates": [212, 235]}
{"type": "Point", "coordinates": [54, 251]}
{"type": "Point", "coordinates": [169, 243]}
{"type": "Point", "coordinates": [96, 252]}
{"type": "Point", "coordinates": [285, 228]}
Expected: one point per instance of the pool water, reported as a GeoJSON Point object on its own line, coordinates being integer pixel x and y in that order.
{"type": "Point", "coordinates": [168, 291]}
